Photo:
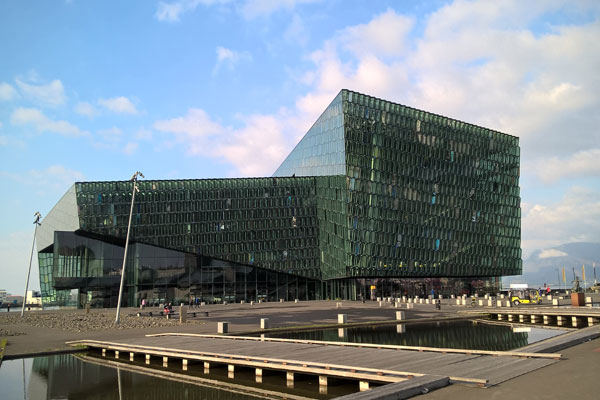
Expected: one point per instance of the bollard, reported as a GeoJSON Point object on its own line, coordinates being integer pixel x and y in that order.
{"type": "Point", "coordinates": [182, 314]}
{"type": "Point", "coordinates": [502, 296]}
{"type": "Point", "coordinates": [87, 308]}
{"type": "Point", "coordinates": [508, 303]}
{"type": "Point", "coordinates": [281, 300]}
{"type": "Point", "coordinates": [427, 301]}
{"type": "Point", "coordinates": [500, 316]}
{"type": "Point", "coordinates": [589, 302]}
{"type": "Point", "coordinates": [533, 319]}
{"type": "Point", "coordinates": [400, 328]}
{"type": "Point", "coordinates": [296, 300]}
{"type": "Point", "coordinates": [490, 303]}
{"type": "Point", "coordinates": [555, 302]}
{"type": "Point", "coordinates": [546, 319]}
{"type": "Point", "coordinates": [560, 320]}
{"type": "Point", "coordinates": [202, 304]}
{"type": "Point", "coordinates": [242, 301]}
{"type": "Point", "coordinates": [458, 302]}
{"type": "Point", "coordinates": [380, 303]}
{"type": "Point", "coordinates": [592, 321]}
{"type": "Point", "coordinates": [222, 327]}
{"type": "Point", "coordinates": [463, 302]}
{"type": "Point", "coordinates": [400, 315]}
{"type": "Point", "coordinates": [521, 318]}
{"type": "Point", "coordinates": [342, 333]}
{"type": "Point", "coordinates": [338, 305]}
{"type": "Point", "coordinates": [410, 306]}
{"type": "Point", "coordinates": [480, 302]}
{"type": "Point", "coordinates": [251, 303]}
{"type": "Point", "coordinates": [452, 296]}
{"type": "Point", "coordinates": [574, 321]}
{"type": "Point", "coordinates": [549, 297]}
{"type": "Point", "coordinates": [264, 323]}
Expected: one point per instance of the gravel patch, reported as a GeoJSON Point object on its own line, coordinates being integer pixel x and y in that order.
{"type": "Point", "coordinates": [8, 332]}
{"type": "Point", "coordinates": [84, 322]}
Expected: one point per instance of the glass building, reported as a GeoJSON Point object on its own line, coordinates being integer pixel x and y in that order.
{"type": "Point", "coordinates": [377, 199]}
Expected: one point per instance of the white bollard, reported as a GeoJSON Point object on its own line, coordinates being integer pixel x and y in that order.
{"type": "Point", "coordinates": [458, 302]}
{"type": "Point", "coordinates": [296, 301]}
{"type": "Point", "coordinates": [555, 302]}
{"type": "Point", "coordinates": [338, 305]}
{"type": "Point", "coordinates": [410, 306]}
{"type": "Point", "coordinates": [281, 300]}
{"type": "Point", "coordinates": [400, 316]}
{"type": "Point", "coordinates": [380, 303]}
{"type": "Point", "coordinates": [508, 303]}
{"type": "Point", "coordinates": [264, 323]}
{"type": "Point", "coordinates": [480, 302]}
{"type": "Point", "coordinates": [222, 327]}
{"type": "Point", "coordinates": [490, 303]}
{"type": "Point", "coordinates": [342, 318]}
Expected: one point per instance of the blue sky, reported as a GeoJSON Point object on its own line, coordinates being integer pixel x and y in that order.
{"type": "Point", "coordinates": [95, 90]}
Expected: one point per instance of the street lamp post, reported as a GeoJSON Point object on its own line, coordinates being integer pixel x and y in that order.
{"type": "Point", "coordinates": [133, 179]}
{"type": "Point", "coordinates": [558, 278]}
{"type": "Point", "coordinates": [36, 222]}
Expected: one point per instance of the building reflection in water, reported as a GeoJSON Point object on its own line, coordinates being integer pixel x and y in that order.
{"type": "Point", "coordinates": [65, 376]}
{"type": "Point", "coordinates": [454, 335]}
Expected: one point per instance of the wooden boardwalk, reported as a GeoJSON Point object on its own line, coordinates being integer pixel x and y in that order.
{"type": "Point", "coordinates": [365, 363]}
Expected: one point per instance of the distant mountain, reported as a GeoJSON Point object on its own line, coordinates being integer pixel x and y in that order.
{"type": "Point", "coordinates": [542, 265]}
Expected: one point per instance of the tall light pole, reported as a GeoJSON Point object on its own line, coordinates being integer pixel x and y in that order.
{"type": "Point", "coordinates": [133, 179]}
{"type": "Point", "coordinates": [36, 222]}
{"type": "Point", "coordinates": [558, 278]}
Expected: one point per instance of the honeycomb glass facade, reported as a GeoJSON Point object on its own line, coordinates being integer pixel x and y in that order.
{"type": "Point", "coordinates": [375, 192]}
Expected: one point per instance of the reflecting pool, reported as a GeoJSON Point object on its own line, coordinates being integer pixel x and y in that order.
{"type": "Point", "coordinates": [452, 335]}
{"type": "Point", "coordinates": [91, 376]}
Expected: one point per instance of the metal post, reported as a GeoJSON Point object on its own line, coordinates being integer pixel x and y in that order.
{"type": "Point", "coordinates": [37, 216]}
{"type": "Point", "coordinates": [558, 276]}
{"type": "Point", "coordinates": [135, 189]}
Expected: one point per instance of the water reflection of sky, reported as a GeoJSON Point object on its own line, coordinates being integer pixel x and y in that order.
{"type": "Point", "coordinates": [453, 335]}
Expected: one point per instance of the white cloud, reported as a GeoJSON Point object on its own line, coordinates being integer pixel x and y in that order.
{"type": "Point", "coordinates": [55, 178]}
{"type": "Point", "coordinates": [574, 218]}
{"type": "Point", "coordinates": [385, 35]}
{"type": "Point", "coordinates": [130, 148]}
{"type": "Point", "coordinates": [549, 253]}
{"type": "Point", "coordinates": [255, 149]}
{"type": "Point", "coordinates": [51, 94]}
{"type": "Point", "coordinates": [261, 134]}
{"type": "Point", "coordinates": [7, 92]}
{"type": "Point", "coordinates": [229, 58]}
{"type": "Point", "coordinates": [87, 109]}
{"type": "Point", "coordinates": [192, 130]}
{"type": "Point", "coordinates": [143, 134]}
{"type": "Point", "coordinates": [580, 164]}
{"type": "Point", "coordinates": [171, 11]}
{"type": "Point", "coordinates": [263, 8]}
{"type": "Point", "coordinates": [296, 32]}
{"type": "Point", "coordinates": [120, 105]}
{"type": "Point", "coordinates": [35, 118]}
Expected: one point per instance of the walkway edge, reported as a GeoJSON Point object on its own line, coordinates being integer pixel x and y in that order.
{"type": "Point", "coordinates": [401, 390]}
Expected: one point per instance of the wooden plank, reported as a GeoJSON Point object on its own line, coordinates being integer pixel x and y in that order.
{"type": "Point", "coordinates": [378, 346]}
